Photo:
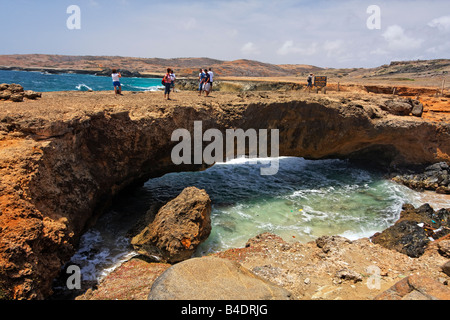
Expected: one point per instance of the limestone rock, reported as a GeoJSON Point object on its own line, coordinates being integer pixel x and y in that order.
{"type": "Point", "coordinates": [15, 88]}
{"type": "Point", "coordinates": [397, 107]}
{"type": "Point", "coordinates": [179, 227]}
{"type": "Point", "coordinates": [32, 95]}
{"type": "Point", "coordinates": [444, 248]}
{"type": "Point", "coordinates": [330, 243]}
{"type": "Point", "coordinates": [417, 109]}
{"type": "Point", "coordinates": [16, 97]}
{"type": "Point", "coordinates": [211, 278]}
{"type": "Point", "coordinates": [446, 268]}
{"type": "Point", "coordinates": [5, 94]}
{"type": "Point", "coordinates": [416, 288]}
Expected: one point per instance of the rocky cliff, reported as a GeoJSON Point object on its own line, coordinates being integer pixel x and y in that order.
{"type": "Point", "coordinates": [65, 156]}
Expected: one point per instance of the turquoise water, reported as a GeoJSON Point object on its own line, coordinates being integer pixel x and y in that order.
{"type": "Point", "coordinates": [305, 200]}
{"type": "Point", "coordinates": [45, 82]}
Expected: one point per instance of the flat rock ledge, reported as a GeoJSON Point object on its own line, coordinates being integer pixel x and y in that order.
{"type": "Point", "coordinates": [213, 278]}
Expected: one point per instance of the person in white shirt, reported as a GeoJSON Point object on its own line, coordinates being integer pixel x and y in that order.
{"type": "Point", "coordinates": [172, 77]}
{"type": "Point", "coordinates": [116, 82]}
{"type": "Point", "coordinates": [211, 78]}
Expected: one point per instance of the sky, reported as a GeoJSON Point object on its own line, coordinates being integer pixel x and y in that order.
{"type": "Point", "coordinates": [324, 33]}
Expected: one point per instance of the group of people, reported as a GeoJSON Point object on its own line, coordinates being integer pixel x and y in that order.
{"type": "Point", "coordinates": [205, 81]}
{"type": "Point", "coordinates": [205, 78]}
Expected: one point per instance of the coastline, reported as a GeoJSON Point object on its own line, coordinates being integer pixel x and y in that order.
{"type": "Point", "coordinates": [62, 190]}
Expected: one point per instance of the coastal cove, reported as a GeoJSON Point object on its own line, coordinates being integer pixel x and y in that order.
{"type": "Point", "coordinates": [72, 157]}
{"type": "Point", "coordinates": [43, 81]}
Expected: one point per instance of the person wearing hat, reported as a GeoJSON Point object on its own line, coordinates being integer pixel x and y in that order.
{"type": "Point", "coordinates": [310, 79]}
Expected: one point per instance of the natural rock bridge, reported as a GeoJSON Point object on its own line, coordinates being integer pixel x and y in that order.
{"type": "Point", "coordinates": [64, 157]}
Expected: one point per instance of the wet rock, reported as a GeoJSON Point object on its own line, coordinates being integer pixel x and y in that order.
{"type": "Point", "coordinates": [435, 177]}
{"type": "Point", "coordinates": [211, 278]}
{"type": "Point", "coordinates": [416, 288]}
{"type": "Point", "coordinates": [412, 232]}
{"type": "Point", "coordinates": [179, 227]}
{"type": "Point", "coordinates": [405, 237]}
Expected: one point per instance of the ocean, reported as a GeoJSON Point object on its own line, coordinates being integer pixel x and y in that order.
{"type": "Point", "coordinates": [305, 200]}
{"type": "Point", "coordinates": [46, 82]}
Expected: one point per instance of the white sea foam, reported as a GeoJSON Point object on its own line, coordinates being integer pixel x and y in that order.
{"type": "Point", "coordinates": [83, 87]}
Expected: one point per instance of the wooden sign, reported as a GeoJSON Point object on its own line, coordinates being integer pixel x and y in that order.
{"type": "Point", "coordinates": [320, 82]}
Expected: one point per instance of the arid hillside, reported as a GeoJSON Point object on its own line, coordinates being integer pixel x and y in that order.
{"type": "Point", "coordinates": [154, 66]}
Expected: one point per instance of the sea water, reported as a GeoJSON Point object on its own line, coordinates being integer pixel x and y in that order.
{"type": "Point", "coordinates": [305, 200]}
{"type": "Point", "coordinates": [46, 82]}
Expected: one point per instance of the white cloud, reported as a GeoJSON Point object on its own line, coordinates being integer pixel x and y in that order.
{"type": "Point", "coordinates": [249, 48]}
{"type": "Point", "coordinates": [442, 23]}
{"type": "Point", "coordinates": [289, 48]}
{"type": "Point", "coordinates": [398, 40]}
{"type": "Point", "coordinates": [335, 47]}
{"type": "Point", "coordinates": [189, 24]}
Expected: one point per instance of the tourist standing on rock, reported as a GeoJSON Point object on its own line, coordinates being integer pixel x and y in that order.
{"type": "Point", "coordinates": [116, 82]}
{"type": "Point", "coordinates": [309, 80]}
{"type": "Point", "coordinates": [173, 78]}
{"type": "Point", "coordinates": [167, 80]}
{"type": "Point", "coordinates": [211, 78]}
{"type": "Point", "coordinates": [201, 77]}
{"type": "Point", "coordinates": [206, 83]}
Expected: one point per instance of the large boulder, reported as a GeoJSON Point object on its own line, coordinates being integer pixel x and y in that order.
{"type": "Point", "coordinates": [411, 234]}
{"type": "Point", "coordinates": [212, 278]}
{"type": "Point", "coordinates": [178, 228]}
{"type": "Point", "coordinates": [397, 107]}
{"type": "Point", "coordinates": [416, 288]}
{"type": "Point", "coordinates": [435, 177]}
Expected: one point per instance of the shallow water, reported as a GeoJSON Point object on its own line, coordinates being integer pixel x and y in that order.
{"type": "Point", "coordinates": [45, 82]}
{"type": "Point", "coordinates": [305, 200]}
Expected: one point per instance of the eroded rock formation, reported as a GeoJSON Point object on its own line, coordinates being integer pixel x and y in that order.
{"type": "Point", "coordinates": [178, 229]}
{"type": "Point", "coordinates": [65, 156]}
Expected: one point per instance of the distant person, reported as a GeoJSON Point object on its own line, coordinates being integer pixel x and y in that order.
{"type": "Point", "coordinates": [206, 83]}
{"type": "Point", "coordinates": [310, 82]}
{"type": "Point", "coordinates": [211, 78]}
{"type": "Point", "coordinates": [173, 78]}
{"type": "Point", "coordinates": [167, 80]}
{"type": "Point", "coordinates": [201, 77]}
{"type": "Point", "coordinates": [116, 82]}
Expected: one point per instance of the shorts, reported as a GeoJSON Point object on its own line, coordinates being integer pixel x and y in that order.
{"type": "Point", "coordinates": [116, 84]}
{"type": "Point", "coordinates": [167, 85]}
{"type": "Point", "coordinates": [207, 87]}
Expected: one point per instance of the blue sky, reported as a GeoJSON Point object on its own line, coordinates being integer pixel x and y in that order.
{"type": "Point", "coordinates": [320, 32]}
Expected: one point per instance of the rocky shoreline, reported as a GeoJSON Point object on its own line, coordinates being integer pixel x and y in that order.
{"type": "Point", "coordinates": [66, 155]}
{"type": "Point", "coordinates": [329, 268]}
